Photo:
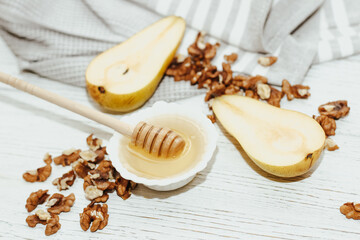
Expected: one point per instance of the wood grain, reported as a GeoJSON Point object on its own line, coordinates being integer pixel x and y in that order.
{"type": "Point", "coordinates": [232, 198]}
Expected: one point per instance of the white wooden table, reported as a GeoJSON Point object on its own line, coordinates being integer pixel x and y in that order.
{"type": "Point", "coordinates": [231, 198]}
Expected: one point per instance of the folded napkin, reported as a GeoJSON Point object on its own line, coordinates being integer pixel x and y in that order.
{"type": "Point", "coordinates": [58, 39]}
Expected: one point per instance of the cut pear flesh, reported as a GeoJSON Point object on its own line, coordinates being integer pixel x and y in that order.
{"type": "Point", "coordinates": [125, 76]}
{"type": "Point", "coordinates": [282, 142]}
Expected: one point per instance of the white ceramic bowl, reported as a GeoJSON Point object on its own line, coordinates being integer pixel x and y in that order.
{"type": "Point", "coordinates": [158, 109]}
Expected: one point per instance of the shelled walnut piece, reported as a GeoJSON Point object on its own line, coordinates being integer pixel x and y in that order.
{"type": "Point", "coordinates": [94, 157]}
{"type": "Point", "coordinates": [101, 182]}
{"type": "Point", "coordinates": [252, 94]}
{"type": "Point", "coordinates": [107, 170]}
{"type": "Point", "coordinates": [101, 199]}
{"type": "Point", "coordinates": [53, 225]}
{"type": "Point", "coordinates": [351, 210]}
{"type": "Point", "coordinates": [34, 220]}
{"type": "Point", "coordinates": [58, 203]}
{"type": "Point", "coordinates": [124, 187]}
{"type": "Point", "coordinates": [43, 215]}
{"type": "Point", "coordinates": [95, 177]}
{"type": "Point", "coordinates": [40, 174]}
{"type": "Point", "coordinates": [68, 156]}
{"type": "Point", "coordinates": [91, 191]}
{"type": "Point", "coordinates": [101, 152]}
{"type": "Point", "coordinates": [263, 90]}
{"type": "Point", "coordinates": [88, 155]}
{"type": "Point", "coordinates": [65, 181]}
{"type": "Point", "coordinates": [336, 109]}
{"type": "Point", "coordinates": [51, 221]}
{"type": "Point", "coordinates": [231, 58]}
{"type": "Point", "coordinates": [95, 215]}
{"type": "Point", "coordinates": [328, 124]}
{"type": "Point", "coordinates": [211, 117]}
{"type": "Point", "coordinates": [267, 61]}
{"type": "Point", "coordinates": [216, 90]}
{"type": "Point", "coordinates": [103, 177]}
{"type": "Point", "coordinates": [35, 199]}
{"type": "Point", "coordinates": [251, 82]}
{"type": "Point", "coordinates": [275, 97]}
{"type": "Point", "coordinates": [82, 167]}
{"type": "Point", "coordinates": [330, 144]}
{"type": "Point", "coordinates": [93, 143]}
{"type": "Point", "coordinates": [295, 91]}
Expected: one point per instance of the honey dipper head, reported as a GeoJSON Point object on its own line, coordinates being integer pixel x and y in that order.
{"type": "Point", "coordinates": [158, 141]}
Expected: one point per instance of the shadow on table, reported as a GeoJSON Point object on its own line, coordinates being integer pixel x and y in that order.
{"type": "Point", "coordinates": [262, 172]}
{"type": "Point", "coordinates": [145, 192]}
{"type": "Point", "coordinates": [56, 117]}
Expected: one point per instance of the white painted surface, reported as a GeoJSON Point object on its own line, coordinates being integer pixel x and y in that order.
{"type": "Point", "coordinates": [231, 198]}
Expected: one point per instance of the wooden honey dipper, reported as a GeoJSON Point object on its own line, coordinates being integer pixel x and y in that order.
{"type": "Point", "coordinates": [157, 141]}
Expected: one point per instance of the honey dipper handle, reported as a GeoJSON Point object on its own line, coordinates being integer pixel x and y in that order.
{"type": "Point", "coordinates": [85, 111]}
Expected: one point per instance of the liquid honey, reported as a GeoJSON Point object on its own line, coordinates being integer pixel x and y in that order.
{"type": "Point", "coordinates": [145, 165]}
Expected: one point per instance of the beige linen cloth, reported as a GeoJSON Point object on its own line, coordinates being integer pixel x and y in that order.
{"type": "Point", "coordinates": [57, 39]}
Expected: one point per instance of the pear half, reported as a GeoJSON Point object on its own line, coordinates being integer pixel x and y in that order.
{"type": "Point", "coordinates": [125, 76]}
{"type": "Point", "coordinates": [282, 142]}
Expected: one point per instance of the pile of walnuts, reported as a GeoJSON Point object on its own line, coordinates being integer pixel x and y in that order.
{"type": "Point", "coordinates": [100, 179]}
{"type": "Point", "coordinates": [197, 69]}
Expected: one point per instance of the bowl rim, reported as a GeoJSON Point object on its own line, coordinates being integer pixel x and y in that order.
{"type": "Point", "coordinates": [162, 108]}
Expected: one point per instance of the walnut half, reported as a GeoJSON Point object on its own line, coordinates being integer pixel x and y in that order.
{"type": "Point", "coordinates": [40, 174]}
{"type": "Point", "coordinates": [97, 215]}
{"type": "Point", "coordinates": [53, 225]}
{"type": "Point", "coordinates": [51, 221]}
{"type": "Point", "coordinates": [336, 110]}
{"type": "Point", "coordinates": [58, 203]}
{"type": "Point", "coordinates": [36, 198]}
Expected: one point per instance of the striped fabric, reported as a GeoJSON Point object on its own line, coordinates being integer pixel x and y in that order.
{"type": "Point", "coordinates": [339, 30]}
{"type": "Point", "coordinates": [57, 39]}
